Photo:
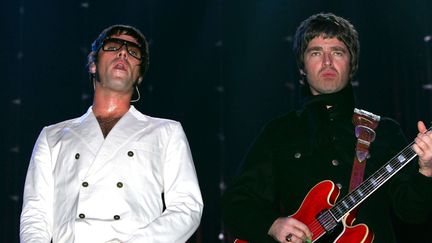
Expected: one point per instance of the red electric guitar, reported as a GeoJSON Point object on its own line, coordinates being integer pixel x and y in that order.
{"type": "Point", "coordinates": [329, 220]}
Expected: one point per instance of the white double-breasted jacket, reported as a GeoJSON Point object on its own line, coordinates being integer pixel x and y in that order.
{"type": "Point", "coordinates": [82, 187]}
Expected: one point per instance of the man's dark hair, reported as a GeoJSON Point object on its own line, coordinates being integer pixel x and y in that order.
{"type": "Point", "coordinates": [118, 30]}
{"type": "Point", "coordinates": [327, 25]}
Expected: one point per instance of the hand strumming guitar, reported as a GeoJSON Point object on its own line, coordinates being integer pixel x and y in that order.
{"type": "Point", "coordinates": [288, 229]}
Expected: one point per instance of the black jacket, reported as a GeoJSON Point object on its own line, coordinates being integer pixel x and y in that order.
{"type": "Point", "coordinates": [302, 148]}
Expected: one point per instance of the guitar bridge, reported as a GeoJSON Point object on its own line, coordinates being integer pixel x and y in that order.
{"type": "Point", "coordinates": [327, 221]}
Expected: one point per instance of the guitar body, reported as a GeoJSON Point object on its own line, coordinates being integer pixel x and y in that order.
{"type": "Point", "coordinates": [319, 199]}
{"type": "Point", "coordinates": [359, 233]}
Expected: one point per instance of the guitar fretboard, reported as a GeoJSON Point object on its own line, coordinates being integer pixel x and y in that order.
{"type": "Point", "coordinates": [376, 180]}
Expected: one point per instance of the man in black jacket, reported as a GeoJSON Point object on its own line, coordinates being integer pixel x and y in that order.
{"type": "Point", "coordinates": [295, 152]}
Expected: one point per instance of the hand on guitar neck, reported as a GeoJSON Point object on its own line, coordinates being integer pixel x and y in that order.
{"type": "Point", "coordinates": [423, 148]}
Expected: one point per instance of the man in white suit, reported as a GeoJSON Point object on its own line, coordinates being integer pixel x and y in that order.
{"type": "Point", "coordinates": [113, 174]}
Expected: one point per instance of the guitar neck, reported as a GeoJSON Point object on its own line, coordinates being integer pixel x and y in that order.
{"type": "Point", "coordinates": [371, 184]}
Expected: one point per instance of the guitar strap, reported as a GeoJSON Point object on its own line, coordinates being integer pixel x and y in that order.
{"type": "Point", "coordinates": [365, 124]}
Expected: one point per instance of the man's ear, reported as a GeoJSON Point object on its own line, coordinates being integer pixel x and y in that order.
{"type": "Point", "coordinates": [92, 68]}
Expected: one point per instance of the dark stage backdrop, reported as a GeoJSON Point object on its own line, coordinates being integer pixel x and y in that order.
{"type": "Point", "coordinates": [221, 68]}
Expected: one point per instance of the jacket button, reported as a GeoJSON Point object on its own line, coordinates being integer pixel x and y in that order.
{"type": "Point", "coordinates": [297, 155]}
{"type": "Point", "coordinates": [81, 215]}
{"type": "Point", "coordinates": [335, 162]}
{"type": "Point", "coordinates": [77, 155]}
{"type": "Point", "coordinates": [85, 184]}
{"type": "Point", "coordinates": [119, 184]}
{"type": "Point", "coordinates": [116, 217]}
{"type": "Point", "coordinates": [130, 154]}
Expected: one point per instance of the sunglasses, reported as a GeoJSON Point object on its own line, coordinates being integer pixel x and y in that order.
{"type": "Point", "coordinates": [114, 44]}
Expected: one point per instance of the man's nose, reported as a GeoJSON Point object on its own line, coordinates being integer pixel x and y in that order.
{"type": "Point", "coordinates": [327, 61]}
{"type": "Point", "coordinates": [122, 52]}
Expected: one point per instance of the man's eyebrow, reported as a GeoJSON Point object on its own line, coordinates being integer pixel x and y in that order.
{"type": "Point", "coordinates": [320, 48]}
{"type": "Point", "coordinates": [314, 48]}
{"type": "Point", "coordinates": [338, 48]}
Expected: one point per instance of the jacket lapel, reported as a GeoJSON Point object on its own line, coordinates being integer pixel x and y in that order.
{"type": "Point", "coordinates": [121, 133]}
{"type": "Point", "coordinates": [88, 130]}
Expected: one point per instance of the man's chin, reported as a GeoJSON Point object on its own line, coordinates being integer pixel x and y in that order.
{"type": "Point", "coordinates": [326, 91]}
{"type": "Point", "coordinates": [118, 85]}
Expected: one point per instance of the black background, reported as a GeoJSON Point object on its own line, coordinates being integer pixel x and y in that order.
{"type": "Point", "coordinates": [221, 68]}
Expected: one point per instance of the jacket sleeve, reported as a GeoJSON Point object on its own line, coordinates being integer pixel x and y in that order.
{"type": "Point", "coordinates": [411, 194]}
{"type": "Point", "coordinates": [182, 195]}
{"type": "Point", "coordinates": [37, 212]}
{"type": "Point", "coordinates": [412, 197]}
{"type": "Point", "coordinates": [248, 206]}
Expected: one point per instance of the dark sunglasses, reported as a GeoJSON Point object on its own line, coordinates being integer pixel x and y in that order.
{"type": "Point", "coordinates": [114, 44]}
